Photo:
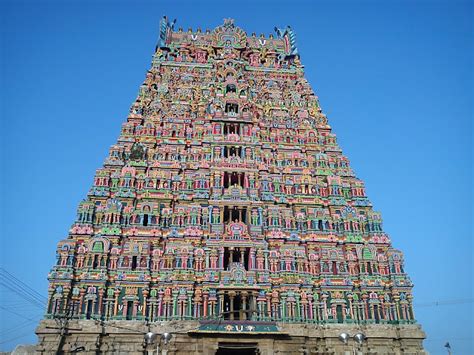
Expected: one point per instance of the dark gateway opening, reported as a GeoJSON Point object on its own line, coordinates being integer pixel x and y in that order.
{"type": "Point", "coordinates": [237, 349]}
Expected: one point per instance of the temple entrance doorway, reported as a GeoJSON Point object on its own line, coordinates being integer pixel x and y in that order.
{"type": "Point", "coordinates": [237, 349]}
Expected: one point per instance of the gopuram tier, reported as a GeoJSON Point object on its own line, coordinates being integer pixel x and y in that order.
{"type": "Point", "coordinates": [226, 213]}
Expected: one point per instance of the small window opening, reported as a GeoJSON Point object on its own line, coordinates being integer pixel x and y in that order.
{"type": "Point", "coordinates": [339, 315]}
{"type": "Point", "coordinates": [230, 88]}
{"type": "Point", "coordinates": [231, 108]}
{"type": "Point", "coordinates": [231, 128]}
{"type": "Point", "coordinates": [129, 310]}
{"type": "Point", "coordinates": [236, 255]}
{"type": "Point", "coordinates": [227, 310]}
{"type": "Point", "coordinates": [89, 309]}
{"type": "Point", "coordinates": [95, 262]}
{"type": "Point", "coordinates": [238, 307]}
{"type": "Point", "coordinates": [226, 258]}
{"type": "Point", "coordinates": [232, 151]}
{"type": "Point", "coordinates": [234, 310]}
{"type": "Point", "coordinates": [233, 178]}
{"type": "Point", "coordinates": [376, 314]}
{"type": "Point", "coordinates": [232, 214]}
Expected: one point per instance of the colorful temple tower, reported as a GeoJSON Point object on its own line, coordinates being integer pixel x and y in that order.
{"type": "Point", "coordinates": [227, 217]}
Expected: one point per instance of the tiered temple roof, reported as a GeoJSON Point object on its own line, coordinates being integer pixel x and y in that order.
{"type": "Point", "coordinates": [226, 196]}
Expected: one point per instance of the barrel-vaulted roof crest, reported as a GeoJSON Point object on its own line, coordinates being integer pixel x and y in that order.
{"type": "Point", "coordinates": [229, 35]}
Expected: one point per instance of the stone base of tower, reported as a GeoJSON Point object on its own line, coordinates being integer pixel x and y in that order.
{"type": "Point", "coordinates": [188, 337]}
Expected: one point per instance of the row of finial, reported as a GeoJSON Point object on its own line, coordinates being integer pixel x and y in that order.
{"type": "Point", "coordinates": [287, 34]}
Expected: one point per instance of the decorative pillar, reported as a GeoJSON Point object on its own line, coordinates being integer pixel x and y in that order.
{"type": "Point", "coordinates": [81, 299]}
{"type": "Point", "coordinates": [144, 303]}
{"type": "Point", "coordinates": [175, 304]}
{"type": "Point", "coordinates": [397, 306]}
{"type": "Point", "coordinates": [160, 303]}
{"type": "Point", "coordinates": [325, 307]}
{"type": "Point", "coordinates": [243, 311]}
{"type": "Point", "coordinates": [190, 304]}
{"type": "Point", "coordinates": [101, 296]}
{"type": "Point", "coordinates": [251, 265]}
{"type": "Point", "coordinates": [205, 306]}
{"type": "Point", "coordinates": [117, 293]}
{"type": "Point", "coordinates": [135, 308]}
{"type": "Point", "coordinates": [221, 303]}
{"type": "Point", "coordinates": [231, 310]}
{"type": "Point", "coordinates": [254, 304]}
{"type": "Point", "coordinates": [221, 258]}
{"type": "Point", "coordinates": [351, 309]}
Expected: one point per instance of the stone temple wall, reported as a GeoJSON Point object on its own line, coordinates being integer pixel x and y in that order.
{"type": "Point", "coordinates": [128, 337]}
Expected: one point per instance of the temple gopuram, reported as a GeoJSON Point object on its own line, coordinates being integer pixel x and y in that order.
{"type": "Point", "coordinates": [226, 220]}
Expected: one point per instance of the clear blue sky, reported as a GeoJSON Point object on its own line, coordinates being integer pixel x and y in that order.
{"type": "Point", "coordinates": [394, 77]}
